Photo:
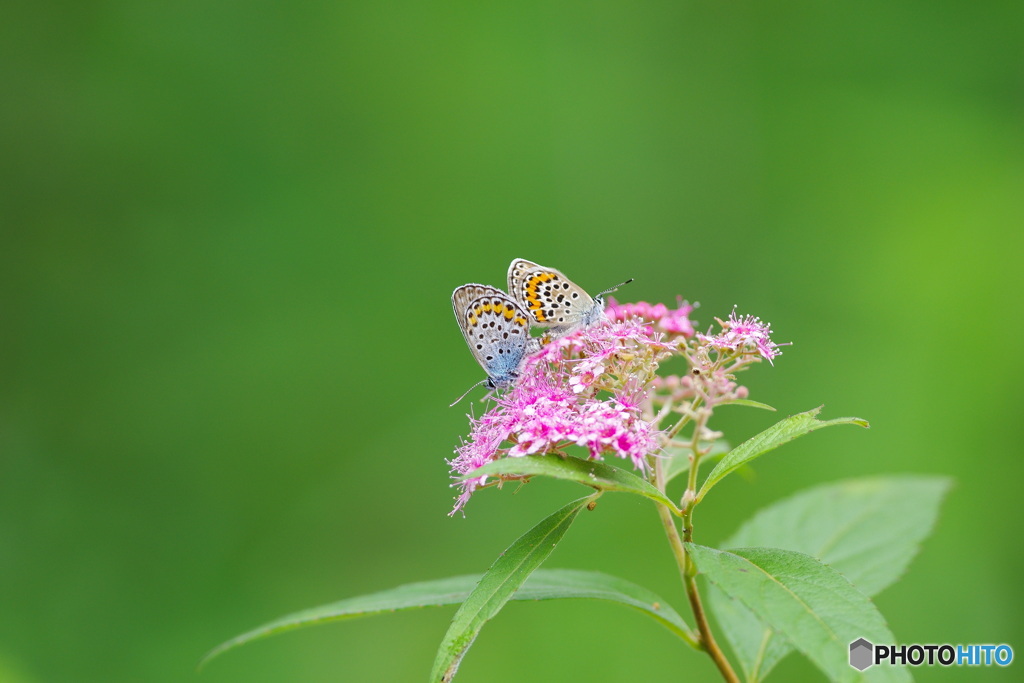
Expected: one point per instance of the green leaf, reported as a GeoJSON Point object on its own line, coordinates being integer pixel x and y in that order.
{"type": "Point", "coordinates": [770, 439]}
{"type": "Point", "coordinates": [867, 529]}
{"type": "Point", "coordinates": [587, 472]}
{"type": "Point", "coordinates": [498, 584]}
{"type": "Point", "coordinates": [679, 458]}
{"type": "Point", "coordinates": [812, 605]}
{"type": "Point", "coordinates": [747, 402]}
{"type": "Point", "coordinates": [543, 584]}
{"type": "Point", "coordinates": [448, 591]}
{"type": "Point", "coordinates": [547, 584]}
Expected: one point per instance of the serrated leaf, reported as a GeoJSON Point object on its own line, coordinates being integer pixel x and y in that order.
{"type": "Point", "coordinates": [587, 472]}
{"type": "Point", "coordinates": [867, 529]}
{"type": "Point", "coordinates": [497, 586]}
{"type": "Point", "coordinates": [770, 439]}
{"type": "Point", "coordinates": [543, 584]}
{"type": "Point", "coordinates": [812, 605]}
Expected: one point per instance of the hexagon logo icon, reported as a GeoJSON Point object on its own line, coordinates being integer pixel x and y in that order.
{"type": "Point", "coordinates": [861, 654]}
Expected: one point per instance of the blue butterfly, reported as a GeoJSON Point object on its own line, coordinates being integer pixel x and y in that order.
{"type": "Point", "coordinates": [497, 331]}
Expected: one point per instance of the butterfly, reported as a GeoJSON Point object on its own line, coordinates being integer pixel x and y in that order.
{"type": "Point", "coordinates": [497, 331]}
{"type": "Point", "coordinates": [553, 300]}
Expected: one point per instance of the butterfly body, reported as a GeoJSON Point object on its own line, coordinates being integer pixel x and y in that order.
{"type": "Point", "coordinates": [496, 329]}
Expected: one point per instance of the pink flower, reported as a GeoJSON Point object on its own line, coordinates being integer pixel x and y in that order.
{"type": "Point", "coordinates": [675, 321]}
{"type": "Point", "coordinates": [585, 373]}
{"type": "Point", "coordinates": [746, 333]}
{"type": "Point", "coordinates": [613, 427]}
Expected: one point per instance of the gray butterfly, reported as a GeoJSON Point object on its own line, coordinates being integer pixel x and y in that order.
{"type": "Point", "coordinates": [553, 300]}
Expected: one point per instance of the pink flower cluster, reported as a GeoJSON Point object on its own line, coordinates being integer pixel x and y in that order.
{"type": "Point", "coordinates": [716, 386]}
{"type": "Point", "coordinates": [742, 334]}
{"type": "Point", "coordinates": [672, 321]}
{"type": "Point", "coordinates": [555, 403]}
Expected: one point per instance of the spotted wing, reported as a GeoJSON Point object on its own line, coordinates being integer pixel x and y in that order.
{"type": "Point", "coordinates": [496, 329]}
{"type": "Point", "coordinates": [549, 297]}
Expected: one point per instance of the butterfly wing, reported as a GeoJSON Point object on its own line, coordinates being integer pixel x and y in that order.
{"type": "Point", "coordinates": [549, 297]}
{"type": "Point", "coordinates": [496, 329]}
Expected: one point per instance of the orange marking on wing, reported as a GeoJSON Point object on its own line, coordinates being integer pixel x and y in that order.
{"type": "Point", "coordinates": [472, 320]}
{"type": "Point", "coordinates": [533, 295]}
{"type": "Point", "coordinates": [509, 312]}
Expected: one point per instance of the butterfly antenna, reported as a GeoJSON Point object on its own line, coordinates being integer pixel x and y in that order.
{"type": "Point", "coordinates": [612, 289]}
{"type": "Point", "coordinates": [467, 392]}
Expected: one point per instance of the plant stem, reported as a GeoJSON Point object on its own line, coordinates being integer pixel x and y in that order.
{"type": "Point", "coordinates": [707, 640]}
{"type": "Point", "coordinates": [687, 569]}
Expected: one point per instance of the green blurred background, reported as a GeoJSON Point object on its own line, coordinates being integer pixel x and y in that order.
{"type": "Point", "coordinates": [229, 236]}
